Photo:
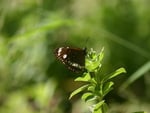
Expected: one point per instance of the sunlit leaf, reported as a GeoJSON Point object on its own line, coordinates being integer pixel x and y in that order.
{"type": "Point", "coordinates": [101, 55]}
{"type": "Point", "coordinates": [87, 96]}
{"type": "Point", "coordinates": [78, 91]}
{"type": "Point", "coordinates": [97, 111]}
{"type": "Point", "coordinates": [114, 74]}
{"type": "Point", "coordinates": [107, 87]}
{"type": "Point", "coordinates": [91, 88]}
{"type": "Point", "coordinates": [85, 78]}
{"type": "Point", "coordinates": [98, 105]}
{"type": "Point", "coordinates": [93, 60]}
{"type": "Point", "coordinates": [104, 108]}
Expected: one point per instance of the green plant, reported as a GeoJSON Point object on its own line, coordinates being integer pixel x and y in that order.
{"type": "Point", "coordinates": [96, 86]}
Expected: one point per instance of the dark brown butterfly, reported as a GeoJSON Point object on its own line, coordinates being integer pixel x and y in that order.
{"type": "Point", "coordinates": [73, 58]}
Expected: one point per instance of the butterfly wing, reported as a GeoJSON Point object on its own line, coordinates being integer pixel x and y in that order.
{"type": "Point", "coordinates": [73, 58]}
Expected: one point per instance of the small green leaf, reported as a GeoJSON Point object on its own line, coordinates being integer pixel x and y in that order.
{"type": "Point", "coordinates": [114, 74]}
{"type": "Point", "coordinates": [98, 111]}
{"type": "Point", "coordinates": [107, 87]}
{"type": "Point", "coordinates": [92, 66]}
{"type": "Point", "coordinates": [78, 91]}
{"type": "Point", "coordinates": [93, 60]}
{"type": "Point", "coordinates": [104, 108]}
{"type": "Point", "coordinates": [87, 96]}
{"type": "Point", "coordinates": [98, 105]}
{"type": "Point", "coordinates": [86, 78]}
{"type": "Point", "coordinates": [101, 55]}
{"type": "Point", "coordinates": [91, 88]}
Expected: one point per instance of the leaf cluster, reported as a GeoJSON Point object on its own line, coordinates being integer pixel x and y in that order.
{"type": "Point", "coordinates": [96, 86]}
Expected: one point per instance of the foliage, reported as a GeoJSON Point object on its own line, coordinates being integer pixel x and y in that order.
{"type": "Point", "coordinates": [30, 30]}
{"type": "Point", "coordinates": [96, 86]}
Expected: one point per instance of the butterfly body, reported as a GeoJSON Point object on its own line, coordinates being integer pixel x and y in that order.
{"type": "Point", "coordinates": [73, 58]}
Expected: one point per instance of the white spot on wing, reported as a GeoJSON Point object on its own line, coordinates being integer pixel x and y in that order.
{"type": "Point", "coordinates": [59, 51]}
{"type": "Point", "coordinates": [65, 56]}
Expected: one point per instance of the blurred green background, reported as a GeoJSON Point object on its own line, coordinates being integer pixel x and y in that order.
{"type": "Point", "coordinates": [33, 81]}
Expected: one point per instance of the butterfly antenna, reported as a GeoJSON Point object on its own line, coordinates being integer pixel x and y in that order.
{"type": "Point", "coordinates": [86, 41]}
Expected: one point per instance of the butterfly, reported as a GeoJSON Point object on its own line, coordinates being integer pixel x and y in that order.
{"type": "Point", "coordinates": [73, 58]}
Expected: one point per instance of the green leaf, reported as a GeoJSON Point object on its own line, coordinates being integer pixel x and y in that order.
{"type": "Point", "coordinates": [107, 87]}
{"type": "Point", "coordinates": [98, 105]}
{"type": "Point", "coordinates": [92, 66]}
{"type": "Point", "coordinates": [78, 91]}
{"type": "Point", "coordinates": [104, 108]}
{"type": "Point", "coordinates": [98, 111]}
{"type": "Point", "coordinates": [93, 60]}
{"type": "Point", "coordinates": [114, 74]}
{"type": "Point", "coordinates": [101, 55]}
{"type": "Point", "coordinates": [86, 78]}
{"type": "Point", "coordinates": [87, 96]}
{"type": "Point", "coordinates": [91, 88]}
